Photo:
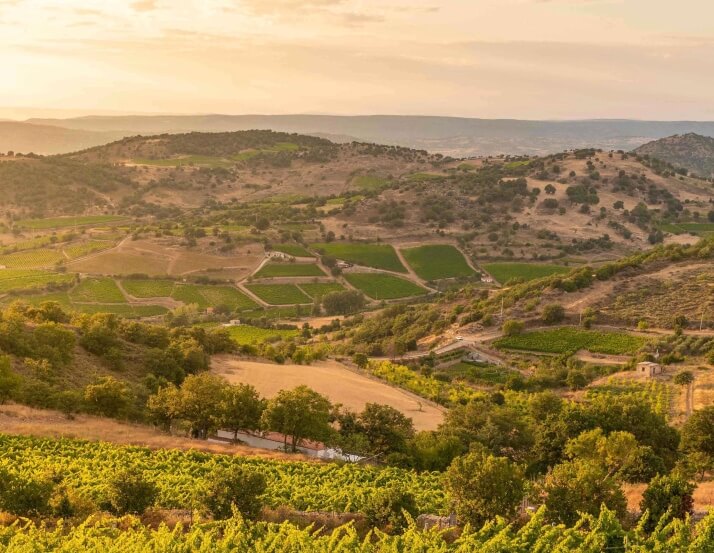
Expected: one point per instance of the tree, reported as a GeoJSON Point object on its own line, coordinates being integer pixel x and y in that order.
{"type": "Point", "coordinates": [434, 451]}
{"type": "Point", "coordinates": [513, 327]}
{"type": "Point", "coordinates": [9, 381]}
{"type": "Point", "coordinates": [549, 189]}
{"type": "Point", "coordinates": [386, 429]}
{"type": "Point", "coordinates": [200, 402]}
{"type": "Point", "coordinates": [484, 486]}
{"type": "Point", "coordinates": [553, 313]}
{"type": "Point", "coordinates": [231, 488]}
{"type": "Point", "coordinates": [241, 409]}
{"type": "Point", "coordinates": [343, 303]}
{"type": "Point", "coordinates": [501, 429]}
{"type": "Point", "coordinates": [129, 492]}
{"type": "Point", "coordinates": [386, 508]}
{"type": "Point", "coordinates": [667, 493]}
{"type": "Point", "coordinates": [109, 397]}
{"type": "Point", "coordinates": [579, 486]}
{"type": "Point", "coordinates": [619, 453]}
{"type": "Point", "coordinates": [164, 406]}
{"type": "Point", "coordinates": [698, 432]}
{"type": "Point", "coordinates": [299, 414]}
{"type": "Point", "coordinates": [684, 378]}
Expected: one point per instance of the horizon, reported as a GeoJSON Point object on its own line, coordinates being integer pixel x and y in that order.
{"type": "Point", "coordinates": [80, 114]}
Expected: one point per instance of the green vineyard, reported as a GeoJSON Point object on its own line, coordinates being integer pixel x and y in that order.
{"type": "Point", "coordinates": [86, 466]}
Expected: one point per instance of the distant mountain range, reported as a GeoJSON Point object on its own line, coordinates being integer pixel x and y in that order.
{"type": "Point", "coordinates": [455, 136]}
{"type": "Point", "coordinates": [691, 151]}
{"type": "Point", "coordinates": [49, 139]}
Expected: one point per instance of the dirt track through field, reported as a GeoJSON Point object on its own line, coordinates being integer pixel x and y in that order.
{"type": "Point", "coordinates": [334, 380]}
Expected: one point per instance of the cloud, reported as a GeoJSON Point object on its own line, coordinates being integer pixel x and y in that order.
{"type": "Point", "coordinates": [144, 5]}
{"type": "Point", "coordinates": [281, 6]}
{"type": "Point", "coordinates": [358, 19]}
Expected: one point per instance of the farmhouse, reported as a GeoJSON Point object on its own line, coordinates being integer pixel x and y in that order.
{"type": "Point", "coordinates": [277, 441]}
{"type": "Point", "coordinates": [279, 255]}
{"type": "Point", "coordinates": [649, 369]}
{"type": "Point", "coordinates": [452, 354]}
{"type": "Point", "coordinates": [460, 350]}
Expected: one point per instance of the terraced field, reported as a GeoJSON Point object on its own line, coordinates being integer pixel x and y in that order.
{"type": "Point", "coordinates": [28, 244]}
{"type": "Point", "coordinates": [246, 334]}
{"type": "Point", "coordinates": [279, 294]}
{"type": "Point", "coordinates": [85, 248]}
{"type": "Point", "coordinates": [700, 229]}
{"type": "Point", "coordinates": [384, 287]}
{"type": "Point", "coordinates": [270, 270]}
{"type": "Point", "coordinates": [503, 272]}
{"type": "Point", "coordinates": [659, 395]}
{"type": "Point", "coordinates": [379, 256]}
{"type": "Point", "coordinates": [67, 303]}
{"type": "Point", "coordinates": [370, 182]}
{"type": "Point", "coordinates": [29, 259]}
{"type": "Point", "coordinates": [571, 339]}
{"type": "Point", "coordinates": [63, 222]}
{"type": "Point", "coordinates": [149, 288]}
{"type": "Point", "coordinates": [97, 290]}
{"type": "Point", "coordinates": [293, 249]}
{"type": "Point", "coordinates": [212, 296]}
{"type": "Point", "coordinates": [437, 261]}
{"type": "Point", "coordinates": [319, 289]}
{"type": "Point", "coordinates": [27, 279]}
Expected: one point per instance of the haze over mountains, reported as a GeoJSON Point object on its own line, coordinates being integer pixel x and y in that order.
{"type": "Point", "coordinates": [455, 136]}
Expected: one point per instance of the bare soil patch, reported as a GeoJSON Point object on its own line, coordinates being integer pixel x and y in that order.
{"type": "Point", "coordinates": [334, 380]}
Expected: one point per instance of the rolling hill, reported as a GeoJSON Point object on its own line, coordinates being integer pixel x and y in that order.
{"type": "Point", "coordinates": [691, 151]}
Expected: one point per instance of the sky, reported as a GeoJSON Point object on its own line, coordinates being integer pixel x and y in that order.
{"type": "Point", "coordinates": [525, 59]}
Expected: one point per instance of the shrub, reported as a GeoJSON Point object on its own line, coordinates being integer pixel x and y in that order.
{"type": "Point", "coordinates": [24, 496]}
{"type": "Point", "coordinates": [232, 488]}
{"type": "Point", "coordinates": [130, 493]}
{"type": "Point", "coordinates": [386, 508]}
{"type": "Point", "coordinates": [513, 327]}
{"type": "Point", "coordinates": [553, 313]}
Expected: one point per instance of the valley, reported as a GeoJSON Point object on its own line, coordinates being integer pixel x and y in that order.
{"type": "Point", "coordinates": [372, 316]}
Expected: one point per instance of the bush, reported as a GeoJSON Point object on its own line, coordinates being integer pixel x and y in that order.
{"type": "Point", "coordinates": [553, 313]}
{"type": "Point", "coordinates": [513, 327]}
{"type": "Point", "coordinates": [386, 509]}
{"type": "Point", "coordinates": [232, 488]}
{"type": "Point", "coordinates": [130, 493]}
{"type": "Point", "coordinates": [23, 496]}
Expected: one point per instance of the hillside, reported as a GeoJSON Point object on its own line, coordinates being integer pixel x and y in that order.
{"type": "Point", "coordinates": [691, 151]}
{"type": "Point", "coordinates": [454, 136]}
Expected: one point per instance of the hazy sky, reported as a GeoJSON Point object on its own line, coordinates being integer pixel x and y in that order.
{"type": "Point", "coordinates": [647, 59]}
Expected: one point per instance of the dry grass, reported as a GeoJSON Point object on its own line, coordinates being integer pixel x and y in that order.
{"type": "Point", "coordinates": [26, 421]}
{"type": "Point", "coordinates": [703, 496]}
{"type": "Point", "coordinates": [164, 256]}
{"type": "Point", "coordinates": [334, 380]}
{"type": "Point", "coordinates": [703, 395]}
